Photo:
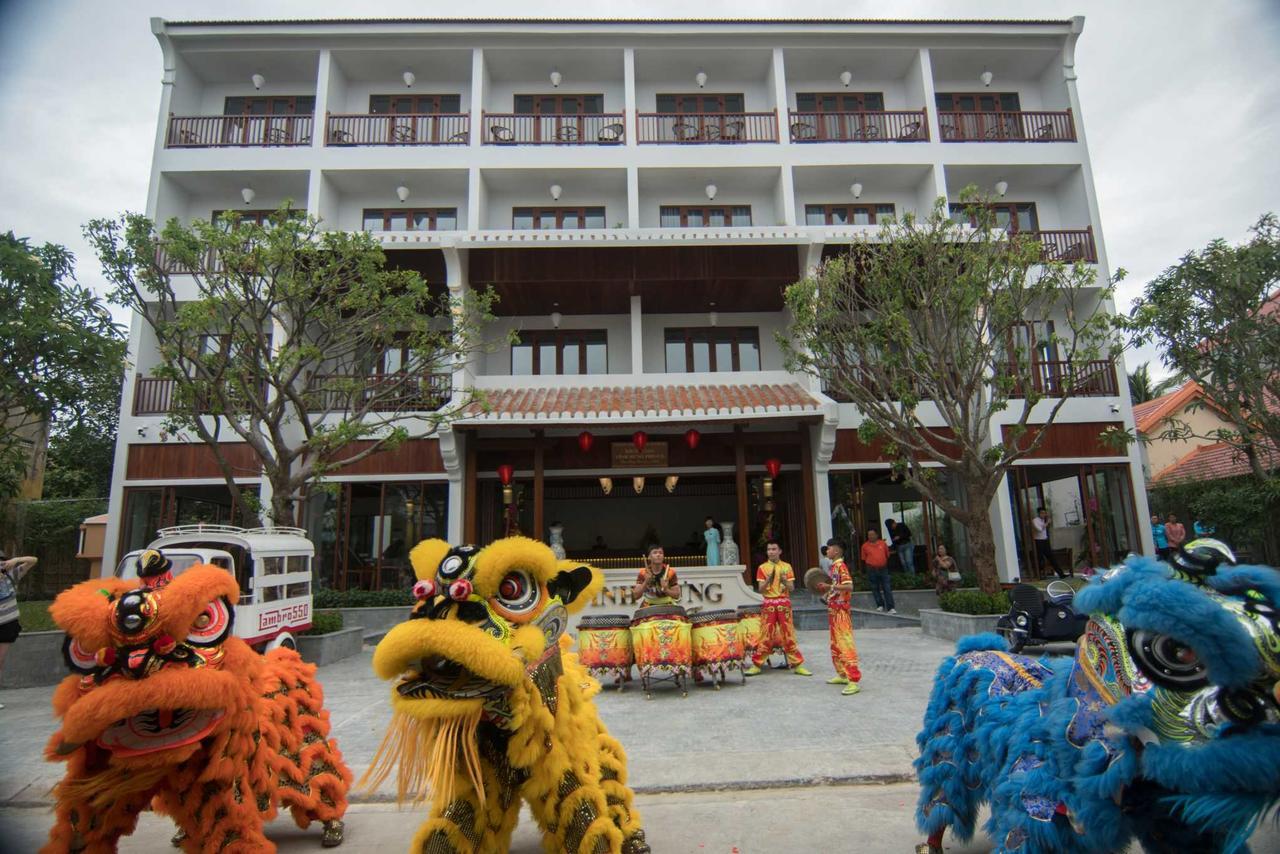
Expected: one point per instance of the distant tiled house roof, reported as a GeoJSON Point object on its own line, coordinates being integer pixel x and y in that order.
{"type": "Point", "coordinates": [1213, 462]}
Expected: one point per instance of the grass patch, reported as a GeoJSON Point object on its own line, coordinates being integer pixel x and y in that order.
{"type": "Point", "coordinates": [35, 616]}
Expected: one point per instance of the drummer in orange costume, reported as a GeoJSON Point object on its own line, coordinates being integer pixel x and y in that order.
{"type": "Point", "coordinates": [657, 583]}
{"type": "Point", "coordinates": [775, 580]}
{"type": "Point", "coordinates": [844, 655]}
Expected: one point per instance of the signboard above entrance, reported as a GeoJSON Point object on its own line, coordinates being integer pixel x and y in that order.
{"type": "Point", "coordinates": [625, 455]}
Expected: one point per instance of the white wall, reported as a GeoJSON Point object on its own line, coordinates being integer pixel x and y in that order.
{"type": "Point", "coordinates": [898, 94]}
{"type": "Point", "coordinates": [757, 93]}
{"type": "Point", "coordinates": [499, 96]}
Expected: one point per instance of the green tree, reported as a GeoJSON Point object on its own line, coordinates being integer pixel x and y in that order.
{"type": "Point", "coordinates": [1215, 315]}
{"type": "Point", "coordinates": [298, 342]}
{"type": "Point", "coordinates": [1143, 388]}
{"type": "Point", "coordinates": [934, 330]}
{"type": "Point", "coordinates": [60, 352]}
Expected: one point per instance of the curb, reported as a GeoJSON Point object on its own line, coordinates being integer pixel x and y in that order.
{"type": "Point", "coordinates": [885, 779]}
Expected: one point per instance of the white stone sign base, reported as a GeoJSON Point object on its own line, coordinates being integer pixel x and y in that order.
{"type": "Point", "coordinates": [711, 588]}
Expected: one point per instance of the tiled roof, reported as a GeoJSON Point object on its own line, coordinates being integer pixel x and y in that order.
{"type": "Point", "coordinates": [1212, 462]}
{"type": "Point", "coordinates": [1149, 414]}
{"type": "Point", "coordinates": [627, 403]}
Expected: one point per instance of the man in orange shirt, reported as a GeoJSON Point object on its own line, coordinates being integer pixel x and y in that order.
{"type": "Point", "coordinates": [844, 655]}
{"type": "Point", "coordinates": [875, 557]}
{"type": "Point", "coordinates": [775, 579]}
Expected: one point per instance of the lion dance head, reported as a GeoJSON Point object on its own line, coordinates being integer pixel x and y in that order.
{"type": "Point", "coordinates": [165, 703]}
{"type": "Point", "coordinates": [490, 706]}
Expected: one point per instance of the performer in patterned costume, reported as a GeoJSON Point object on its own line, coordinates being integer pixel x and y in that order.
{"type": "Point", "coordinates": [657, 583]}
{"type": "Point", "coordinates": [1164, 728]}
{"type": "Point", "coordinates": [844, 654]}
{"type": "Point", "coordinates": [491, 708]}
{"type": "Point", "coordinates": [775, 579]}
{"type": "Point", "coordinates": [168, 710]}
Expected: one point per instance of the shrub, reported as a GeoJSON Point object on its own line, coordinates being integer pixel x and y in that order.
{"type": "Point", "coordinates": [909, 580]}
{"type": "Point", "coordinates": [324, 622]}
{"type": "Point", "coordinates": [34, 616]}
{"type": "Point", "coordinates": [974, 602]}
{"type": "Point", "coordinates": [363, 598]}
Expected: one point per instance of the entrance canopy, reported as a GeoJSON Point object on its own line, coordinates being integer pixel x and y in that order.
{"type": "Point", "coordinates": [573, 404]}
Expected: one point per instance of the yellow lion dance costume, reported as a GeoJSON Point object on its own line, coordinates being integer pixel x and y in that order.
{"type": "Point", "coordinates": [169, 710]}
{"type": "Point", "coordinates": [491, 707]}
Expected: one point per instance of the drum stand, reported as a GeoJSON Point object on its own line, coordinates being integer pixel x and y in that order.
{"type": "Point", "coordinates": [681, 680]}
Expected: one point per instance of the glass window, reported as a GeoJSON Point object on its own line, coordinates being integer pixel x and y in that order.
{"type": "Point", "coordinates": [701, 355]}
{"type": "Point", "coordinates": [522, 360]}
{"type": "Point", "coordinates": [594, 218]}
{"type": "Point", "coordinates": [713, 349]}
{"type": "Point", "coordinates": [302, 588]}
{"type": "Point", "coordinates": [597, 357]}
{"type": "Point", "coordinates": [447, 219]}
{"type": "Point", "coordinates": [676, 356]}
{"type": "Point", "coordinates": [724, 352]}
{"type": "Point", "coordinates": [749, 355]}
{"type": "Point", "coordinates": [297, 563]}
{"type": "Point", "coordinates": [741, 215]}
{"type": "Point", "coordinates": [547, 358]}
{"type": "Point", "coordinates": [398, 221]}
{"type": "Point", "coordinates": [372, 221]}
{"type": "Point", "coordinates": [572, 359]}
{"type": "Point", "coordinates": [522, 218]}
{"type": "Point", "coordinates": [272, 565]}
{"type": "Point", "coordinates": [669, 217]}
{"type": "Point", "coordinates": [570, 220]}
{"type": "Point", "coordinates": [693, 217]}
{"type": "Point", "coordinates": [715, 217]}
{"type": "Point", "coordinates": [271, 594]}
{"type": "Point", "coordinates": [815, 215]}
{"type": "Point", "coordinates": [861, 216]}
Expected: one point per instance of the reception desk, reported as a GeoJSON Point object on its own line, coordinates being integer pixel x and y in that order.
{"type": "Point", "coordinates": [709, 587]}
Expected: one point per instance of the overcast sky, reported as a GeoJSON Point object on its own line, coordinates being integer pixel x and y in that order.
{"type": "Point", "coordinates": [1181, 103]}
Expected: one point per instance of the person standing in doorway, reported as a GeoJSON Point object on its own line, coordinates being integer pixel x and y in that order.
{"type": "Point", "coordinates": [1175, 533]}
{"type": "Point", "coordinates": [844, 654]}
{"type": "Point", "coordinates": [1158, 534]}
{"type": "Point", "coordinates": [11, 572]}
{"type": "Point", "coordinates": [775, 579]}
{"type": "Point", "coordinates": [1040, 536]}
{"type": "Point", "coordinates": [900, 534]}
{"type": "Point", "coordinates": [875, 557]}
{"type": "Point", "coordinates": [711, 533]}
{"type": "Point", "coordinates": [657, 583]}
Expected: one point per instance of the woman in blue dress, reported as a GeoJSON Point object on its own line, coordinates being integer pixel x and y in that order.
{"type": "Point", "coordinates": [712, 535]}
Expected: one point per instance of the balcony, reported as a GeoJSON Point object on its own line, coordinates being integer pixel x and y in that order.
{"type": "Point", "coordinates": [238, 131]}
{"type": "Point", "coordinates": [330, 392]}
{"type": "Point", "coordinates": [554, 129]}
{"type": "Point", "coordinates": [1085, 379]}
{"type": "Point", "coordinates": [1007, 126]}
{"type": "Point", "coordinates": [868, 126]}
{"type": "Point", "coordinates": [398, 129]}
{"type": "Point", "coordinates": [1067, 244]}
{"type": "Point", "coordinates": [154, 396]}
{"type": "Point", "coordinates": [704, 128]}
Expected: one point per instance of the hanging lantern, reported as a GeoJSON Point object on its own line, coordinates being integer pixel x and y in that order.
{"type": "Point", "coordinates": [671, 482]}
{"type": "Point", "coordinates": [773, 465]}
{"type": "Point", "coordinates": [505, 471]}
{"type": "Point", "coordinates": [637, 483]}
{"type": "Point", "coordinates": [692, 438]}
{"type": "Point", "coordinates": [640, 439]}
{"type": "Point", "coordinates": [606, 485]}
{"type": "Point", "coordinates": [585, 441]}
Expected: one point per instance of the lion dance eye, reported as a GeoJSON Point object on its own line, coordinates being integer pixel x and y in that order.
{"type": "Point", "coordinates": [517, 592]}
{"type": "Point", "coordinates": [212, 625]}
{"type": "Point", "coordinates": [1167, 661]}
{"type": "Point", "coordinates": [424, 589]}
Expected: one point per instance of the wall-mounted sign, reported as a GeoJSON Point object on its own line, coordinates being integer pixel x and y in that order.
{"type": "Point", "coordinates": [625, 455]}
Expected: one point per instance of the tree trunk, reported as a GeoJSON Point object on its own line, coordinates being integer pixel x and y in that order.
{"type": "Point", "coordinates": [982, 545]}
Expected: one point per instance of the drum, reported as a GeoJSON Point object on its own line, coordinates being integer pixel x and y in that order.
{"type": "Point", "coordinates": [716, 648]}
{"type": "Point", "coordinates": [749, 628]}
{"type": "Point", "coordinates": [604, 646]}
{"type": "Point", "coordinates": [660, 642]}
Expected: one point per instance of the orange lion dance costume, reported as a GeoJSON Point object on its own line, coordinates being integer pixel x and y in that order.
{"type": "Point", "coordinates": [169, 710]}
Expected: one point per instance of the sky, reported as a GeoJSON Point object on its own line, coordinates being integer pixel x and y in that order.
{"type": "Point", "coordinates": [1180, 98]}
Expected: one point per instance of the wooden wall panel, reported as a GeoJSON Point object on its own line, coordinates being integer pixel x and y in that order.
{"type": "Point", "coordinates": [1080, 439]}
{"type": "Point", "coordinates": [178, 460]}
{"type": "Point", "coordinates": [851, 449]}
{"type": "Point", "coordinates": [416, 456]}
{"type": "Point", "coordinates": [714, 449]}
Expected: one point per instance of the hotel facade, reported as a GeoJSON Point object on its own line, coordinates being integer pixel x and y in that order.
{"type": "Point", "coordinates": [638, 194]}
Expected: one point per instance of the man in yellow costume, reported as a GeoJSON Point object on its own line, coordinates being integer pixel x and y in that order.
{"type": "Point", "coordinates": [775, 579]}
{"type": "Point", "coordinates": [657, 583]}
{"type": "Point", "coordinates": [838, 593]}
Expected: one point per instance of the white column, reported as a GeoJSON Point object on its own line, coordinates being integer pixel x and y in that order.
{"type": "Point", "coordinates": [479, 85]}
{"type": "Point", "coordinates": [786, 196]}
{"type": "Point", "coordinates": [637, 342]}
{"type": "Point", "coordinates": [453, 452]}
{"type": "Point", "coordinates": [633, 197]}
{"type": "Point", "coordinates": [162, 129]}
{"type": "Point", "coordinates": [1002, 532]}
{"type": "Point", "coordinates": [475, 198]}
{"type": "Point", "coordinates": [320, 122]}
{"type": "Point", "coordinates": [924, 67]}
{"type": "Point", "coordinates": [125, 431]}
{"type": "Point", "coordinates": [779, 74]}
{"type": "Point", "coordinates": [629, 105]}
{"type": "Point", "coordinates": [456, 279]}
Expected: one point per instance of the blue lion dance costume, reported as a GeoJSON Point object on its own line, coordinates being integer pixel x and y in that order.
{"type": "Point", "coordinates": [1164, 728]}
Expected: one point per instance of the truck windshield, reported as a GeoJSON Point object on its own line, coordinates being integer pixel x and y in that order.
{"type": "Point", "coordinates": [128, 567]}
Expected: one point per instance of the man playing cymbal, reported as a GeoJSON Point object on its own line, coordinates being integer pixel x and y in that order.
{"type": "Point", "coordinates": [775, 580]}
{"type": "Point", "coordinates": [657, 583]}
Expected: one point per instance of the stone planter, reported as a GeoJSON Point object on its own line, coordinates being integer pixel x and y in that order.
{"type": "Point", "coordinates": [335, 646]}
{"type": "Point", "coordinates": [376, 622]}
{"type": "Point", "coordinates": [947, 626]}
{"type": "Point", "coordinates": [34, 659]}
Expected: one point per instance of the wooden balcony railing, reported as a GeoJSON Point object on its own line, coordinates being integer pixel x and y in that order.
{"type": "Point", "coordinates": [152, 395]}
{"type": "Point", "coordinates": [224, 131]}
{"type": "Point", "coordinates": [1067, 244]}
{"type": "Point", "coordinates": [559, 129]}
{"type": "Point", "coordinates": [872, 126]}
{"type": "Point", "coordinates": [701, 128]}
{"type": "Point", "coordinates": [330, 392]}
{"type": "Point", "coordinates": [1084, 379]}
{"type": "Point", "coordinates": [399, 129]}
{"type": "Point", "coordinates": [1022, 126]}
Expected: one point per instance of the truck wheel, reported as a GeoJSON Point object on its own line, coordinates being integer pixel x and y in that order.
{"type": "Point", "coordinates": [285, 641]}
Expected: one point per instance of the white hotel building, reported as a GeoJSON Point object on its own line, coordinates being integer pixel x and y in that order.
{"type": "Point", "coordinates": [638, 193]}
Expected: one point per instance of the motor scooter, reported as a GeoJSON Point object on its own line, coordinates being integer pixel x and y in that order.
{"type": "Point", "coordinates": [1038, 617]}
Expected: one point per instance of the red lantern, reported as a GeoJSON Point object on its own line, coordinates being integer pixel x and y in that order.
{"type": "Point", "coordinates": [585, 441]}
{"type": "Point", "coordinates": [773, 465]}
{"type": "Point", "coordinates": [692, 438]}
{"type": "Point", "coordinates": [505, 471]}
{"type": "Point", "coordinates": [640, 439]}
